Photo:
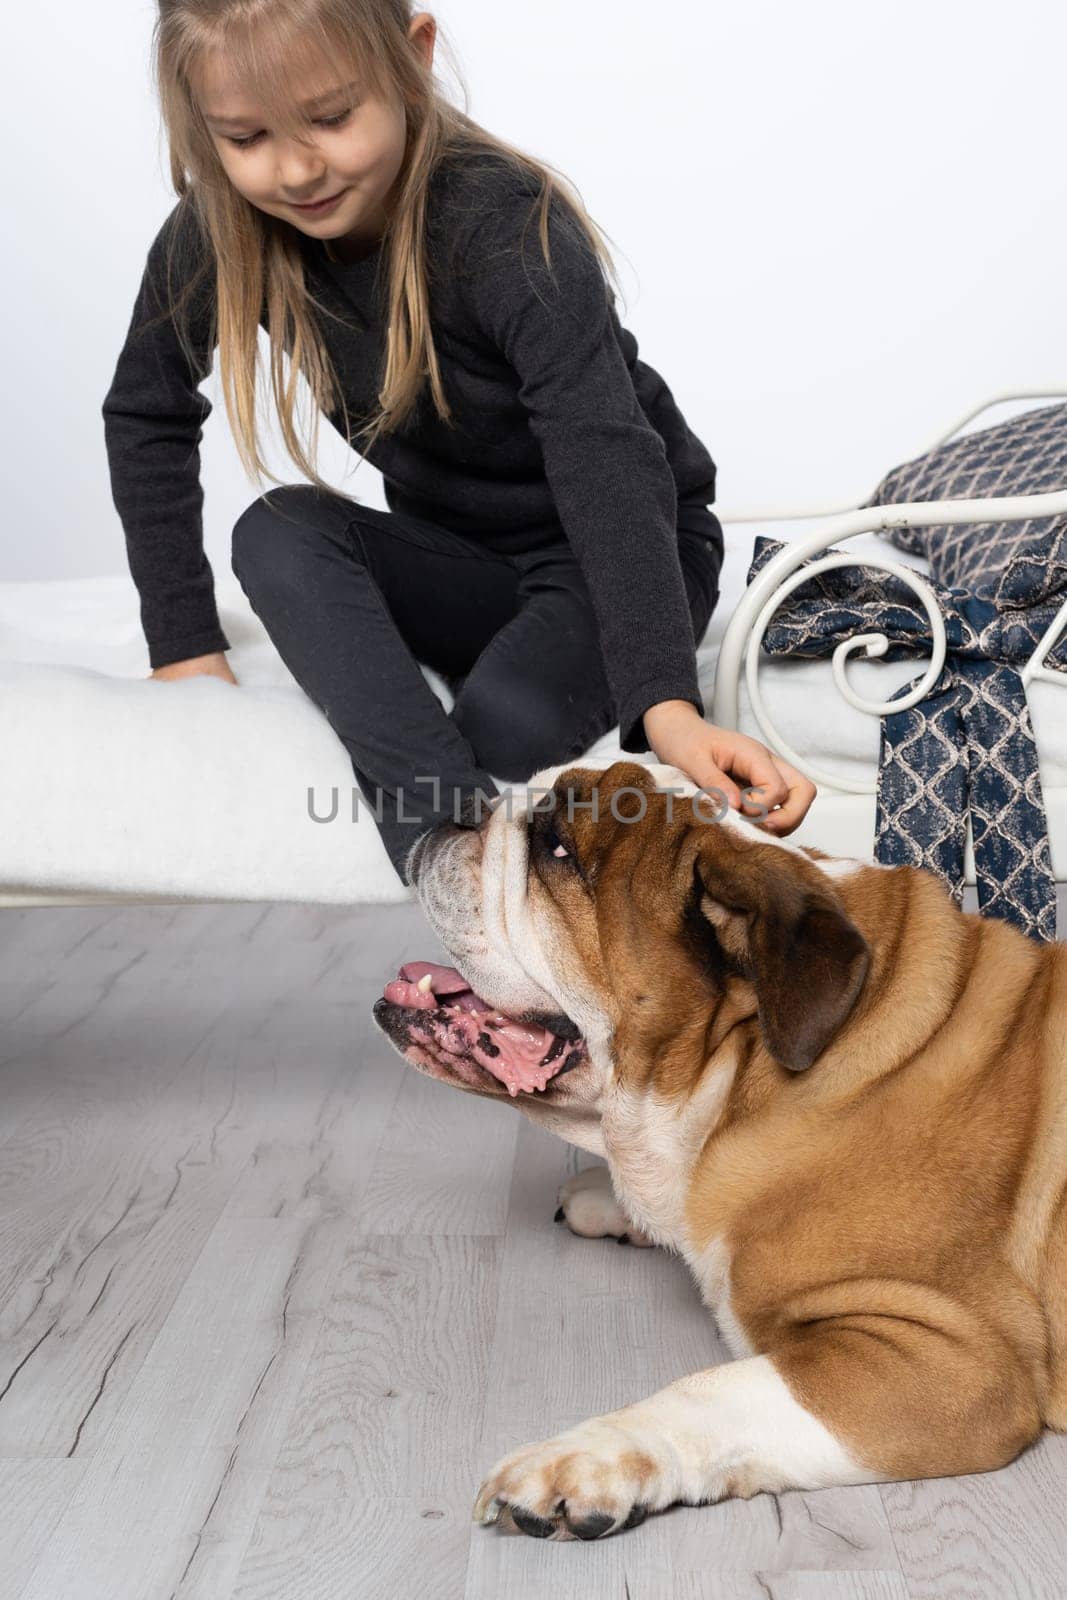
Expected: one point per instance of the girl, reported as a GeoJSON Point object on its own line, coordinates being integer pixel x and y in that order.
{"type": "Point", "coordinates": [548, 547]}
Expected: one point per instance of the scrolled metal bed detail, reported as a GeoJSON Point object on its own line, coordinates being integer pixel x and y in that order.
{"type": "Point", "coordinates": [991, 661]}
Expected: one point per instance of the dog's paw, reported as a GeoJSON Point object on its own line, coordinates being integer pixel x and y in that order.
{"type": "Point", "coordinates": [588, 1206]}
{"type": "Point", "coordinates": [584, 1484]}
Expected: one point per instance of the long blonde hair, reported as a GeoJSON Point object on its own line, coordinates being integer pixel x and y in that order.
{"type": "Point", "coordinates": [256, 258]}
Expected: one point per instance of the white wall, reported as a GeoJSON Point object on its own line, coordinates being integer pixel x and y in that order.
{"type": "Point", "coordinates": [838, 226]}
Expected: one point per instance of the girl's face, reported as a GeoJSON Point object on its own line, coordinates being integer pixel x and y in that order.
{"type": "Point", "coordinates": [352, 149]}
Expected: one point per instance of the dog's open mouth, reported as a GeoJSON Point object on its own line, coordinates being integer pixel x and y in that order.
{"type": "Point", "coordinates": [438, 1022]}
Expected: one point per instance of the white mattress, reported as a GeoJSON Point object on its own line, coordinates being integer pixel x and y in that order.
{"type": "Point", "coordinates": [118, 785]}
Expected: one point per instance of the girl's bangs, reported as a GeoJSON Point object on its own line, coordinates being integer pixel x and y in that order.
{"type": "Point", "coordinates": [265, 65]}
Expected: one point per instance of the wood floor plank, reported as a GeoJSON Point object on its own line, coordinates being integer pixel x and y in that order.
{"type": "Point", "coordinates": [783, 1586]}
{"type": "Point", "coordinates": [228, 1353]}
{"type": "Point", "coordinates": [990, 1536]}
{"type": "Point", "coordinates": [312, 1119]}
{"type": "Point", "coordinates": [463, 1151]}
{"type": "Point", "coordinates": [33, 1496]}
{"type": "Point", "coordinates": [92, 1268]}
{"type": "Point", "coordinates": [271, 1304]}
{"type": "Point", "coordinates": [585, 1327]}
{"type": "Point", "coordinates": [388, 1421]}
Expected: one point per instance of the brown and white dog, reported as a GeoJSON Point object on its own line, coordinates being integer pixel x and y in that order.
{"type": "Point", "coordinates": [840, 1098]}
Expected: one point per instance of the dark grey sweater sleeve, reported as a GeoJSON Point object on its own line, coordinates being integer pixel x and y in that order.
{"type": "Point", "coordinates": [606, 465]}
{"type": "Point", "coordinates": [153, 421]}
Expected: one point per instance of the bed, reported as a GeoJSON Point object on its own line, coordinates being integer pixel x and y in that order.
{"type": "Point", "coordinates": [119, 789]}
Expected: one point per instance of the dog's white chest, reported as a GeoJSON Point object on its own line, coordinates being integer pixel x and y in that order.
{"type": "Point", "coordinates": [651, 1147]}
{"type": "Point", "coordinates": [647, 1172]}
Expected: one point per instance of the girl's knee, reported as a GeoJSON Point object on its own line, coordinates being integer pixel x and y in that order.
{"type": "Point", "coordinates": [515, 729]}
{"type": "Point", "coordinates": [270, 535]}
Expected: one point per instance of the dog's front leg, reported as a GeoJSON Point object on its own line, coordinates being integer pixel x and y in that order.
{"type": "Point", "coordinates": [731, 1430]}
{"type": "Point", "coordinates": [851, 1397]}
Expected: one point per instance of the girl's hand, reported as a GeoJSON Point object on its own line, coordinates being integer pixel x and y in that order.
{"type": "Point", "coordinates": [708, 755]}
{"type": "Point", "coordinates": [212, 666]}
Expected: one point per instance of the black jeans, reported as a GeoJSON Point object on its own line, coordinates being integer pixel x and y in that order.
{"type": "Point", "coordinates": [354, 598]}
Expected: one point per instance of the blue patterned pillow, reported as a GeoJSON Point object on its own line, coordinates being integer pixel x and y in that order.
{"type": "Point", "coordinates": [1016, 565]}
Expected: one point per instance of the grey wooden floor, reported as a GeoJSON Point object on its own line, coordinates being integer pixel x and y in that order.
{"type": "Point", "coordinates": [271, 1303]}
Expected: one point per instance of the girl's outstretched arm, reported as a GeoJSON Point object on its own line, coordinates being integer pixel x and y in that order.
{"type": "Point", "coordinates": [614, 491]}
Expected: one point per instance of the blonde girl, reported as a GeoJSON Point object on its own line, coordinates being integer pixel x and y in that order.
{"type": "Point", "coordinates": [549, 545]}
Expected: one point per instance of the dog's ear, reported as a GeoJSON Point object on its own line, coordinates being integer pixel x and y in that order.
{"type": "Point", "coordinates": [785, 933]}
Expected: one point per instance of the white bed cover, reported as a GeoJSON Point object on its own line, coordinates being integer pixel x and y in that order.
{"type": "Point", "coordinates": [118, 786]}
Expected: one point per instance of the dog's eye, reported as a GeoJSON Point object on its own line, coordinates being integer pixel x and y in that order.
{"type": "Point", "coordinates": [549, 840]}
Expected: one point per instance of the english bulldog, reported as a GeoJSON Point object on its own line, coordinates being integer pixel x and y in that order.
{"type": "Point", "coordinates": [840, 1098]}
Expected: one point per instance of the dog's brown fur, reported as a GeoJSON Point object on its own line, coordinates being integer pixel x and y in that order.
{"type": "Point", "coordinates": [897, 1216]}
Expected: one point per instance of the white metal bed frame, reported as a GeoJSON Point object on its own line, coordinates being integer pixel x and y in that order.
{"type": "Point", "coordinates": [842, 819]}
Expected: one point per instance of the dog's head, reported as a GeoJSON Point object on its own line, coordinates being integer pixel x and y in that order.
{"type": "Point", "coordinates": [595, 925]}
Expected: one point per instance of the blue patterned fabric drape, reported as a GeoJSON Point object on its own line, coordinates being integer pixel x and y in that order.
{"type": "Point", "coordinates": [968, 747]}
{"type": "Point", "coordinates": [1019, 563]}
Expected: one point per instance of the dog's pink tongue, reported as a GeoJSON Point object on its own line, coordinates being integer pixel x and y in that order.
{"type": "Point", "coordinates": [446, 980]}
{"type": "Point", "coordinates": [404, 990]}
{"type": "Point", "coordinates": [516, 1052]}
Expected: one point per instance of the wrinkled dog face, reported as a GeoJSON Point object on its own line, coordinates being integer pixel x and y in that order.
{"type": "Point", "coordinates": [593, 921]}
{"type": "Point", "coordinates": [520, 1014]}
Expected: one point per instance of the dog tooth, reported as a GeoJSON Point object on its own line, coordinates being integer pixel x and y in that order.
{"type": "Point", "coordinates": [425, 983]}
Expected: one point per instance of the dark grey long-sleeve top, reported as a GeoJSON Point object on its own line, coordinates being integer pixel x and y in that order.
{"type": "Point", "coordinates": [558, 424]}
